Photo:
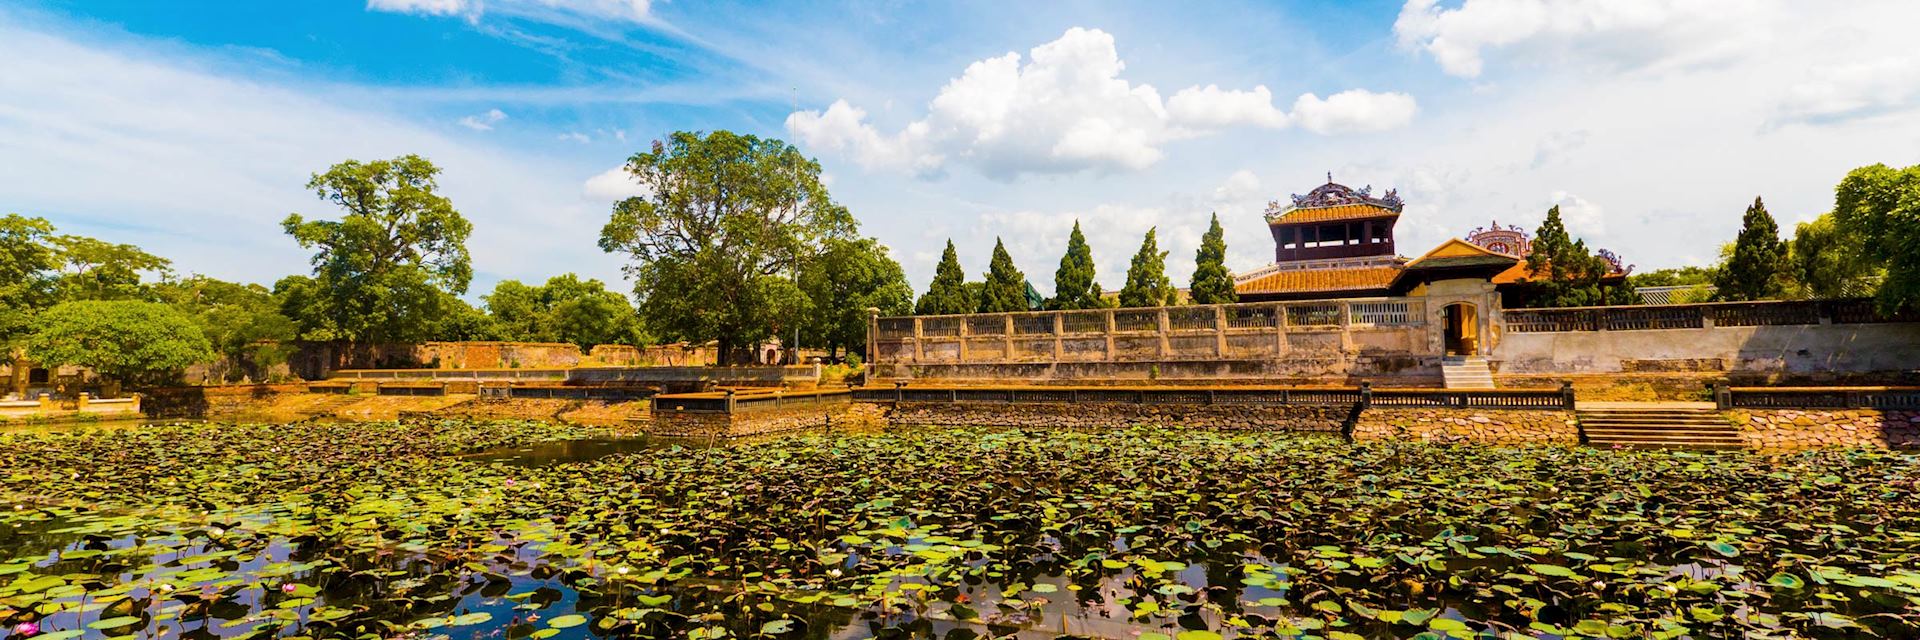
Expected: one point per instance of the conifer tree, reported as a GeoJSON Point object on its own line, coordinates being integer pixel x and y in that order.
{"type": "Point", "coordinates": [1006, 287]}
{"type": "Point", "coordinates": [948, 291]}
{"type": "Point", "coordinates": [1754, 270]}
{"type": "Point", "coordinates": [1563, 273]}
{"type": "Point", "coordinates": [1073, 285]}
{"type": "Point", "coordinates": [1212, 283]}
{"type": "Point", "coordinates": [1147, 284]}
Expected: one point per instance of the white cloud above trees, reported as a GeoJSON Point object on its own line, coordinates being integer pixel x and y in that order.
{"type": "Point", "coordinates": [1065, 108]}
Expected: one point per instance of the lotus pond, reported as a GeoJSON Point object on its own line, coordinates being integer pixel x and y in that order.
{"type": "Point", "coordinates": [384, 530]}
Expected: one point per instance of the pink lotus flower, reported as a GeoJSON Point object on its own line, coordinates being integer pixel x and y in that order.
{"type": "Point", "coordinates": [26, 629]}
{"type": "Point", "coordinates": [287, 588]}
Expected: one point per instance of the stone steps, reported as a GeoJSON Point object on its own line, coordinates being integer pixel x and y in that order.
{"type": "Point", "coordinates": [1658, 427]}
{"type": "Point", "coordinates": [1466, 372]}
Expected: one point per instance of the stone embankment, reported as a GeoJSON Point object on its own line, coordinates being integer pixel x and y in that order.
{"type": "Point", "coordinates": [1506, 426]}
{"type": "Point", "coordinates": [1790, 429]}
{"type": "Point", "coordinates": [691, 424]}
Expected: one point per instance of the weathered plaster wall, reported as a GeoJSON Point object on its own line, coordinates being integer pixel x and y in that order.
{"type": "Point", "coordinates": [1794, 349]}
{"type": "Point", "coordinates": [1789, 429]}
{"type": "Point", "coordinates": [1101, 415]}
{"type": "Point", "coordinates": [1468, 426]}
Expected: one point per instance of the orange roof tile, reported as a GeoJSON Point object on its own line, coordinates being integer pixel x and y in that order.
{"type": "Point", "coordinates": [1334, 213]}
{"type": "Point", "coordinates": [1292, 280]}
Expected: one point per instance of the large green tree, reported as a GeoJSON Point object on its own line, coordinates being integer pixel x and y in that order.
{"type": "Point", "coordinates": [948, 293]}
{"type": "Point", "coordinates": [718, 238]}
{"type": "Point", "coordinates": [1005, 288]}
{"type": "Point", "coordinates": [565, 309]}
{"type": "Point", "coordinates": [1826, 261]}
{"type": "Point", "coordinates": [1562, 272]}
{"type": "Point", "coordinates": [27, 276]}
{"type": "Point", "coordinates": [387, 270]}
{"type": "Point", "coordinates": [1074, 286]}
{"type": "Point", "coordinates": [242, 322]}
{"type": "Point", "coordinates": [1756, 267]}
{"type": "Point", "coordinates": [1880, 205]}
{"type": "Point", "coordinates": [93, 269]}
{"type": "Point", "coordinates": [847, 278]}
{"type": "Point", "coordinates": [1147, 283]}
{"type": "Point", "coordinates": [125, 341]}
{"type": "Point", "coordinates": [1212, 283]}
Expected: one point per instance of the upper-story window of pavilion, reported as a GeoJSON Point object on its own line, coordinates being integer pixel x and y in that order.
{"type": "Point", "coordinates": [1334, 221]}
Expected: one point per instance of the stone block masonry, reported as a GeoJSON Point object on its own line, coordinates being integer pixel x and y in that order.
{"type": "Point", "coordinates": [1327, 419]}
{"type": "Point", "coordinates": [1794, 429]}
{"type": "Point", "coordinates": [1498, 426]}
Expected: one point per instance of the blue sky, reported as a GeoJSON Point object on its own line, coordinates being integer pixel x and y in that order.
{"type": "Point", "coordinates": [190, 127]}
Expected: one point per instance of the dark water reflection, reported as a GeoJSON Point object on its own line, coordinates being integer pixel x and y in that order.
{"type": "Point", "coordinates": [582, 450]}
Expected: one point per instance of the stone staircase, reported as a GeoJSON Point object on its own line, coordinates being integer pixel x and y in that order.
{"type": "Point", "coordinates": [1466, 372]}
{"type": "Point", "coordinates": [1657, 425]}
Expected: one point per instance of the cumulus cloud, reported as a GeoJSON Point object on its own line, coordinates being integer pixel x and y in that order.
{"type": "Point", "coordinates": [1583, 217]}
{"type": "Point", "coordinates": [1613, 33]}
{"type": "Point", "coordinates": [1241, 185]}
{"type": "Point", "coordinates": [574, 136]}
{"type": "Point", "coordinates": [1354, 111]}
{"type": "Point", "coordinates": [423, 7]}
{"type": "Point", "coordinates": [612, 185]}
{"type": "Point", "coordinates": [1065, 108]}
{"type": "Point", "coordinates": [484, 121]}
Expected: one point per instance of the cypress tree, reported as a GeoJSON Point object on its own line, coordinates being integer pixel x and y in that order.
{"type": "Point", "coordinates": [1212, 283]}
{"type": "Point", "coordinates": [948, 291]}
{"type": "Point", "coordinates": [1563, 272]}
{"type": "Point", "coordinates": [1006, 287]}
{"type": "Point", "coordinates": [1147, 284]}
{"type": "Point", "coordinates": [1073, 285]}
{"type": "Point", "coordinates": [1753, 271]}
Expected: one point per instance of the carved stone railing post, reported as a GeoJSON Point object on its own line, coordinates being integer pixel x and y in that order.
{"type": "Point", "coordinates": [1059, 330]}
{"type": "Point", "coordinates": [1006, 339]}
{"type": "Point", "coordinates": [1166, 326]}
{"type": "Point", "coordinates": [1280, 346]}
{"type": "Point", "coordinates": [1110, 356]}
{"type": "Point", "coordinates": [1219, 331]}
{"type": "Point", "coordinates": [966, 334]}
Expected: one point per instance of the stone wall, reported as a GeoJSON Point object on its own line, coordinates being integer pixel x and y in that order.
{"type": "Point", "coordinates": [1490, 426]}
{"type": "Point", "coordinates": [1819, 351]}
{"type": "Point", "coordinates": [1104, 415]}
{"type": "Point", "coordinates": [1789, 429]}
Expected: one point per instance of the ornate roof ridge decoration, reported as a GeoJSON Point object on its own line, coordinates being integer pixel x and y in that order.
{"type": "Point", "coordinates": [1333, 194]}
{"type": "Point", "coordinates": [1619, 266]}
{"type": "Point", "coordinates": [1512, 240]}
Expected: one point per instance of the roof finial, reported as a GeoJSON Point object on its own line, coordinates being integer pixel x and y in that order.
{"type": "Point", "coordinates": [1329, 177]}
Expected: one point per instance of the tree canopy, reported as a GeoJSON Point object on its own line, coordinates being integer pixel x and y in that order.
{"type": "Point", "coordinates": [27, 280]}
{"type": "Point", "coordinates": [1880, 205]}
{"type": "Point", "coordinates": [1147, 283]}
{"type": "Point", "coordinates": [1755, 269]}
{"type": "Point", "coordinates": [1212, 283]}
{"type": "Point", "coordinates": [241, 322]}
{"type": "Point", "coordinates": [1005, 288]}
{"type": "Point", "coordinates": [123, 340]}
{"type": "Point", "coordinates": [948, 293]}
{"type": "Point", "coordinates": [1825, 260]}
{"type": "Point", "coordinates": [847, 278]}
{"type": "Point", "coordinates": [1074, 286]}
{"type": "Point", "coordinates": [565, 309]}
{"type": "Point", "coordinates": [719, 235]}
{"type": "Point", "coordinates": [386, 270]}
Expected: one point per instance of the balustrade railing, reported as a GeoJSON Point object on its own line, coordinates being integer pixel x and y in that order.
{"type": "Point", "coordinates": [1883, 398]}
{"type": "Point", "coordinates": [1540, 399]}
{"type": "Point", "coordinates": [1696, 316]}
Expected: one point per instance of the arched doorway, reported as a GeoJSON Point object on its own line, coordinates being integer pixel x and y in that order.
{"type": "Point", "coordinates": [1462, 329]}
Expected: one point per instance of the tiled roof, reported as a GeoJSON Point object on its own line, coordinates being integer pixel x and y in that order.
{"type": "Point", "coordinates": [1297, 280]}
{"type": "Point", "coordinates": [1521, 273]}
{"type": "Point", "coordinates": [1334, 213]}
{"type": "Point", "coordinates": [1460, 253]}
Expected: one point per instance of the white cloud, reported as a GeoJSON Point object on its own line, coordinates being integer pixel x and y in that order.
{"type": "Point", "coordinates": [1066, 109]}
{"type": "Point", "coordinates": [1243, 184]}
{"type": "Point", "coordinates": [574, 136]}
{"type": "Point", "coordinates": [1854, 89]}
{"type": "Point", "coordinates": [1354, 111]}
{"type": "Point", "coordinates": [629, 10]}
{"type": "Point", "coordinates": [611, 186]}
{"type": "Point", "coordinates": [1212, 107]}
{"type": "Point", "coordinates": [1610, 33]}
{"type": "Point", "coordinates": [484, 121]}
{"type": "Point", "coordinates": [1583, 217]}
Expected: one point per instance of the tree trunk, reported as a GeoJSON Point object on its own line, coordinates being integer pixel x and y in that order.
{"type": "Point", "coordinates": [725, 357]}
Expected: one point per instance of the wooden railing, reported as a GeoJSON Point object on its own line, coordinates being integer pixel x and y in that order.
{"type": "Point", "coordinates": [1884, 398]}
{"type": "Point", "coordinates": [1698, 316]}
